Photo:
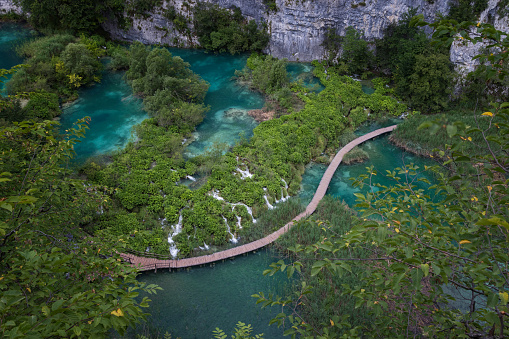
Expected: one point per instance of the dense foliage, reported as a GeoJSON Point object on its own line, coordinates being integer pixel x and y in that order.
{"type": "Point", "coordinates": [425, 247]}
{"type": "Point", "coordinates": [224, 30]}
{"type": "Point", "coordinates": [421, 73]}
{"type": "Point", "coordinates": [56, 280]}
{"type": "Point", "coordinates": [147, 172]}
{"type": "Point", "coordinates": [76, 16]}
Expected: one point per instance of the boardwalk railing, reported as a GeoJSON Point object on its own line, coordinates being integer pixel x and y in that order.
{"type": "Point", "coordinates": [144, 263]}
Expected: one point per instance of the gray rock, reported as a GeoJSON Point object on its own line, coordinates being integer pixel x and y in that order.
{"type": "Point", "coordinates": [7, 6]}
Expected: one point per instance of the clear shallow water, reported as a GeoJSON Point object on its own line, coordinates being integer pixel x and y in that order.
{"type": "Point", "coordinates": [11, 35]}
{"type": "Point", "coordinates": [304, 71]}
{"type": "Point", "coordinates": [113, 111]}
{"type": "Point", "coordinates": [195, 302]}
{"type": "Point", "coordinates": [229, 103]}
{"type": "Point", "coordinates": [382, 155]}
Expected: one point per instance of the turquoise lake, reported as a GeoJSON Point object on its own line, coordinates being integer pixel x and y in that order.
{"type": "Point", "coordinates": [11, 35]}
{"type": "Point", "coordinates": [382, 156]}
{"type": "Point", "coordinates": [114, 110]}
{"type": "Point", "coordinates": [229, 103]}
{"type": "Point", "coordinates": [196, 301]}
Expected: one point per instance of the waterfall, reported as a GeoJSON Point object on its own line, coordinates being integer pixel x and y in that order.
{"type": "Point", "coordinates": [176, 230]}
{"type": "Point", "coordinates": [249, 209]}
{"type": "Point", "coordinates": [190, 178]}
{"type": "Point", "coordinates": [245, 174]}
{"type": "Point", "coordinates": [204, 248]}
{"type": "Point", "coordinates": [267, 200]}
{"type": "Point", "coordinates": [232, 240]}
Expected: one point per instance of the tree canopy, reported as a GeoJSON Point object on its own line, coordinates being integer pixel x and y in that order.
{"type": "Point", "coordinates": [422, 248]}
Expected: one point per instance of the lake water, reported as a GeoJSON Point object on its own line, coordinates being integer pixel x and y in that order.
{"type": "Point", "coordinates": [11, 35]}
{"type": "Point", "coordinates": [382, 155]}
{"type": "Point", "coordinates": [196, 301]}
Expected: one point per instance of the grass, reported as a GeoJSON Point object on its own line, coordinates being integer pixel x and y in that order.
{"type": "Point", "coordinates": [423, 143]}
{"type": "Point", "coordinates": [326, 299]}
{"type": "Point", "coordinates": [272, 220]}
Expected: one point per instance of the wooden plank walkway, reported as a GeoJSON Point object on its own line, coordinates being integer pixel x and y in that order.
{"type": "Point", "coordinates": [146, 264]}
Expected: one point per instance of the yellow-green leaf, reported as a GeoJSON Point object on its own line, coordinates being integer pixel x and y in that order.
{"type": "Point", "coordinates": [504, 297]}
{"type": "Point", "coordinates": [465, 242]}
{"type": "Point", "coordinates": [118, 312]}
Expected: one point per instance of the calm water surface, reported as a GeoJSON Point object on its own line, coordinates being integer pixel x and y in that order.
{"type": "Point", "coordinates": [11, 35]}
{"type": "Point", "coordinates": [382, 155]}
{"type": "Point", "coordinates": [229, 103]}
{"type": "Point", "coordinates": [195, 302]}
{"type": "Point", "coordinates": [113, 110]}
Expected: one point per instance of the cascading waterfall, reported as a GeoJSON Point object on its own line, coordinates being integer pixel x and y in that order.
{"type": "Point", "coordinates": [190, 178]}
{"type": "Point", "coordinates": [249, 210]}
{"type": "Point", "coordinates": [215, 195]}
{"type": "Point", "coordinates": [176, 230]}
{"type": "Point", "coordinates": [267, 200]}
{"type": "Point", "coordinates": [204, 248]}
{"type": "Point", "coordinates": [244, 174]}
{"type": "Point", "coordinates": [233, 240]}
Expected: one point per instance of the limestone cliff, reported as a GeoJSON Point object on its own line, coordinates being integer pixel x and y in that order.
{"type": "Point", "coordinates": [462, 52]}
{"type": "Point", "coordinates": [7, 6]}
{"type": "Point", "coordinates": [297, 28]}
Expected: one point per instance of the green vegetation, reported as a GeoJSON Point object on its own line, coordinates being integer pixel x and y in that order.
{"type": "Point", "coordinates": [350, 52]}
{"type": "Point", "coordinates": [68, 15]}
{"type": "Point", "coordinates": [271, 220]}
{"type": "Point", "coordinates": [55, 67]}
{"type": "Point", "coordinates": [56, 64]}
{"type": "Point", "coordinates": [420, 73]}
{"type": "Point", "coordinates": [321, 303]}
{"type": "Point", "coordinates": [466, 10]}
{"type": "Point", "coordinates": [224, 30]}
{"type": "Point", "coordinates": [56, 280]}
{"type": "Point", "coordinates": [410, 246]}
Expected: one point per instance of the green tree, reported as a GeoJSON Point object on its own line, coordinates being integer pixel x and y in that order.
{"type": "Point", "coordinates": [355, 51]}
{"type": "Point", "coordinates": [223, 30]}
{"type": "Point", "coordinates": [77, 16]}
{"type": "Point", "coordinates": [430, 82]}
{"type": "Point", "coordinates": [56, 280]}
{"type": "Point", "coordinates": [424, 243]}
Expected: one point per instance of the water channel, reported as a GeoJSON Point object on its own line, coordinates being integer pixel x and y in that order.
{"type": "Point", "coordinates": [196, 301]}
{"type": "Point", "coordinates": [11, 35]}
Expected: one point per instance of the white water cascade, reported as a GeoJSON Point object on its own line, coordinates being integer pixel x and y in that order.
{"type": "Point", "coordinates": [204, 248]}
{"type": "Point", "coordinates": [176, 230]}
{"type": "Point", "coordinates": [267, 200]}
{"type": "Point", "coordinates": [233, 240]}
{"type": "Point", "coordinates": [245, 174]}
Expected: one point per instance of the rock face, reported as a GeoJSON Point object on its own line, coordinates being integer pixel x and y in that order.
{"type": "Point", "coordinates": [297, 28]}
{"type": "Point", "coordinates": [463, 52]}
{"type": "Point", "coordinates": [7, 6]}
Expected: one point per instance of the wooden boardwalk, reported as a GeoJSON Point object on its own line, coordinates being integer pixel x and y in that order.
{"type": "Point", "coordinates": [146, 264]}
